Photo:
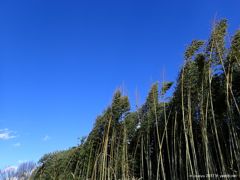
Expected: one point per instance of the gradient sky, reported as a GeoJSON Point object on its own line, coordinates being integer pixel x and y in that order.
{"type": "Point", "coordinates": [61, 60]}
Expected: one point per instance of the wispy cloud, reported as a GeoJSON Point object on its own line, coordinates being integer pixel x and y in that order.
{"type": "Point", "coordinates": [21, 161]}
{"type": "Point", "coordinates": [6, 134]}
{"type": "Point", "coordinates": [46, 138]}
{"type": "Point", "coordinates": [9, 169]}
{"type": "Point", "coordinates": [17, 144]}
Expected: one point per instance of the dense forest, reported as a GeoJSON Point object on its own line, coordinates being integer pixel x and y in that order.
{"type": "Point", "coordinates": [194, 132]}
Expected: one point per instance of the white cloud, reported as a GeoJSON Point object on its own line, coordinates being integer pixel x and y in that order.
{"type": "Point", "coordinates": [9, 168]}
{"type": "Point", "coordinates": [17, 144]}
{"type": "Point", "coordinates": [6, 134]}
{"type": "Point", "coordinates": [22, 161]}
{"type": "Point", "coordinates": [46, 138]}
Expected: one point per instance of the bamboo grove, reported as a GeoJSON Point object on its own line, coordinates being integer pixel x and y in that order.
{"type": "Point", "coordinates": [194, 132]}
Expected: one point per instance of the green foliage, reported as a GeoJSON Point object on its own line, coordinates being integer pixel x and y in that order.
{"type": "Point", "coordinates": [216, 43]}
{"type": "Point", "coordinates": [120, 105]}
{"type": "Point", "coordinates": [196, 132]}
{"type": "Point", "coordinates": [234, 55]}
{"type": "Point", "coordinates": [165, 87]}
{"type": "Point", "coordinates": [192, 49]}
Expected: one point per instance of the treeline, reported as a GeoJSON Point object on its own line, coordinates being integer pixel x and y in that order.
{"type": "Point", "coordinates": [195, 132]}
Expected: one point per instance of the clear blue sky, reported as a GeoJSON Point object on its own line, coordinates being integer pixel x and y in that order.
{"type": "Point", "coordinates": [60, 62]}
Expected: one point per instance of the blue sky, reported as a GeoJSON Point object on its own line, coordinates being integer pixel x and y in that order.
{"type": "Point", "coordinates": [60, 62]}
